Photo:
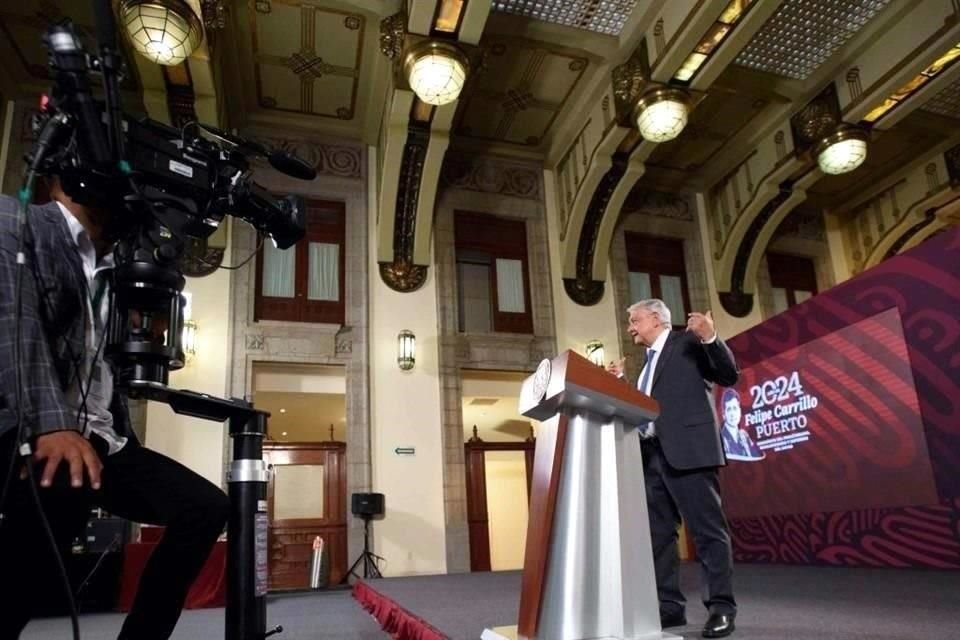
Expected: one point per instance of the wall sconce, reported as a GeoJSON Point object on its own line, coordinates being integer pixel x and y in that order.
{"type": "Point", "coordinates": [188, 341]}
{"type": "Point", "coordinates": [406, 349]}
{"type": "Point", "coordinates": [594, 351]}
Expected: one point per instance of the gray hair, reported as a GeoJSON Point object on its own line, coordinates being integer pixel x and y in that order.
{"type": "Point", "coordinates": [654, 306]}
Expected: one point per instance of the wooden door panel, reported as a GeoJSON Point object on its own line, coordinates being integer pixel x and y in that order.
{"type": "Point", "coordinates": [291, 539]}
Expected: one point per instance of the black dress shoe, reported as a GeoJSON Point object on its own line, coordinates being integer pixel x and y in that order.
{"type": "Point", "coordinates": [668, 620]}
{"type": "Point", "coordinates": [719, 625]}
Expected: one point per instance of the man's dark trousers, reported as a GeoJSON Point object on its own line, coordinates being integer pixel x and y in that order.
{"type": "Point", "coordinates": [137, 484]}
{"type": "Point", "coordinates": [694, 495]}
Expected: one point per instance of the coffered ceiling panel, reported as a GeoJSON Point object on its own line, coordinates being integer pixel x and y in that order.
{"type": "Point", "coordinates": [601, 16]}
{"type": "Point", "coordinates": [517, 94]}
{"type": "Point", "coordinates": [947, 102]}
{"type": "Point", "coordinates": [803, 34]}
{"type": "Point", "coordinates": [307, 58]}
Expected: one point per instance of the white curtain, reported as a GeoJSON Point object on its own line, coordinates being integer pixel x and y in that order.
{"type": "Point", "coordinates": [510, 286]}
{"type": "Point", "coordinates": [639, 286]}
{"type": "Point", "coordinates": [324, 270]}
{"type": "Point", "coordinates": [671, 290]}
{"type": "Point", "coordinates": [279, 271]}
{"type": "Point", "coordinates": [780, 303]}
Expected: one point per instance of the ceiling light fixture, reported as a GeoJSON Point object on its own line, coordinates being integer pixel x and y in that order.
{"type": "Point", "coordinates": [436, 71]}
{"type": "Point", "coordinates": [662, 114]}
{"type": "Point", "coordinates": [842, 151]}
{"type": "Point", "coordinates": [164, 31]}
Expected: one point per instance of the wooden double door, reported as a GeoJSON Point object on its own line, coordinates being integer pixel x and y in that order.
{"type": "Point", "coordinates": [307, 497]}
{"type": "Point", "coordinates": [478, 511]}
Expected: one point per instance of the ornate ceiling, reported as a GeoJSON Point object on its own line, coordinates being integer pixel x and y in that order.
{"type": "Point", "coordinates": [601, 16]}
{"type": "Point", "coordinates": [519, 91]}
{"type": "Point", "coordinates": [947, 102]}
{"type": "Point", "coordinates": [803, 34]}
{"type": "Point", "coordinates": [307, 58]}
{"type": "Point", "coordinates": [540, 89]}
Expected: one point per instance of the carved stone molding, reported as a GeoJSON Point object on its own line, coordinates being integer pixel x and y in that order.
{"type": "Point", "coordinates": [488, 175]}
{"type": "Point", "coordinates": [392, 29]}
{"type": "Point", "coordinates": [583, 289]}
{"type": "Point", "coordinates": [344, 340]}
{"type": "Point", "coordinates": [659, 204]}
{"type": "Point", "coordinates": [806, 224]}
{"type": "Point", "coordinates": [337, 160]}
{"type": "Point", "coordinates": [817, 119]}
{"type": "Point", "coordinates": [402, 274]}
{"type": "Point", "coordinates": [629, 81]}
{"type": "Point", "coordinates": [255, 342]}
{"type": "Point", "coordinates": [737, 302]}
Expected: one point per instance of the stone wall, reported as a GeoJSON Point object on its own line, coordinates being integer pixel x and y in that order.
{"type": "Point", "coordinates": [341, 177]}
{"type": "Point", "coordinates": [506, 189]}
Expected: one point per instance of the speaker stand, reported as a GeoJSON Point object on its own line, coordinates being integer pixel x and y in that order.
{"type": "Point", "coordinates": [367, 557]}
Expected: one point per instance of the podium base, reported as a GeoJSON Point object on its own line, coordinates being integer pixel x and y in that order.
{"type": "Point", "coordinates": [510, 633]}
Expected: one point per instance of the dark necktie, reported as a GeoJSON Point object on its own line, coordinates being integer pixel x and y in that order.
{"type": "Point", "coordinates": [647, 370]}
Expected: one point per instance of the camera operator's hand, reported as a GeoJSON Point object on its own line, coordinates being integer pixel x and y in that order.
{"type": "Point", "coordinates": [72, 448]}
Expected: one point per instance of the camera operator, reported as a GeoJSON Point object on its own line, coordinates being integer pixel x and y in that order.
{"type": "Point", "coordinates": [84, 452]}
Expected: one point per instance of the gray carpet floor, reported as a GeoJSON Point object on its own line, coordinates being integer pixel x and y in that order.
{"type": "Point", "coordinates": [327, 616]}
{"type": "Point", "coordinates": [776, 603]}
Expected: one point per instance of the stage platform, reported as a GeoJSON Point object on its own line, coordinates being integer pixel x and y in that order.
{"type": "Point", "coordinates": [776, 603]}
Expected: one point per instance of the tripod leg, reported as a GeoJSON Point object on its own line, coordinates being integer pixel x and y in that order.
{"type": "Point", "coordinates": [375, 570]}
{"type": "Point", "coordinates": [352, 571]}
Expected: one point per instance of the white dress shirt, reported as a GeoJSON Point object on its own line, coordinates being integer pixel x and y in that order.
{"type": "Point", "coordinates": [649, 430]}
{"type": "Point", "coordinates": [99, 384]}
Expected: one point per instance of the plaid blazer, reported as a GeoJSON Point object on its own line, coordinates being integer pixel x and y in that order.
{"type": "Point", "coordinates": [53, 323]}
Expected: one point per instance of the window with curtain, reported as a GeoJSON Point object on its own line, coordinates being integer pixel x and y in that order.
{"type": "Point", "coordinates": [657, 270]}
{"type": "Point", "coordinates": [493, 288]}
{"type": "Point", "coordinates": [305, 283]}
{"type": "Point", "coordinates": [793, 279]}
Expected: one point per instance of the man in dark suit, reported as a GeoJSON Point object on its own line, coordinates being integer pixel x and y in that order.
{"type": "Point", "coordinates": [76, 424]}
{"type": "Point", "coordinates": [682, 454]}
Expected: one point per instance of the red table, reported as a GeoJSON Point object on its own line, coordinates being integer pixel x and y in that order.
{"type": "Point", "coordinates": [208, 590]}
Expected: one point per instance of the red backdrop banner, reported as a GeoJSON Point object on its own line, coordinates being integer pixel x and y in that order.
{"type": "Point", "coordinates": [831, 425]}
{"type": "Point", "coordinates": [923, 285]}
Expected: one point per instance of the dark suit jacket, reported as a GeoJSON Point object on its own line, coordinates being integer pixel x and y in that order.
{"type": "Point", "coordinates": [53, 322]}
{"type": "Point", "coordinates": [683, 385]}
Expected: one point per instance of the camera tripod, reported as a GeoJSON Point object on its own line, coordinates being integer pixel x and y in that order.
{"type": "Point", "coordinates": [367, 557]}
{"type": "Point", "coordinates": [246, 610]}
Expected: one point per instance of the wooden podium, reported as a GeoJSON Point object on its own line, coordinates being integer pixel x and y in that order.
{"type": "Point", "coordinates": [588, 569]}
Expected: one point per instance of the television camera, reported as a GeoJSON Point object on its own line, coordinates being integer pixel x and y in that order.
{"type": "Point", "coordinates": [164, 188]}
